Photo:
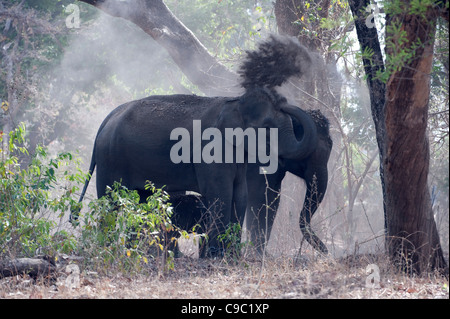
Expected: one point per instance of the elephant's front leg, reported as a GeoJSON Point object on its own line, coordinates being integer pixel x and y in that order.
{"type": "Point", "coordinates": [263, 200]}
{"type": "Point", "coordinates": [216, 184]}
{"type": "Point", "coordinates": [316, 185]}
{"type": "Point", "coordinates": [260, 218]}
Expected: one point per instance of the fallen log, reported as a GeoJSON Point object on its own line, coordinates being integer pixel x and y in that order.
{"type": "Point", "coordinates": [33, 267]}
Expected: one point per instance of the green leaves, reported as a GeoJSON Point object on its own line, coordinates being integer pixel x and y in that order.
{"type": "Point", "coordinates": [231, 240]}
{"type": "Point", "coordinates": [120, 229]}
{"type": "Point", "coordinates": [412, 7]}
{"type": "Point", "coordinates": [27, 194]}
{"type": "Point", "coordinates": [117, 229]}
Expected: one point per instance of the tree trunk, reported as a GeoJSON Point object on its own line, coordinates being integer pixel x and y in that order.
{"type": "Point", "coordinates": [373, 67]}
{"type": "Point", "coordinates": [413, 241]}
{"type": "Point", "coordinates": [32, 266]}
{"type": "Point", "coordinates": [400, 113]}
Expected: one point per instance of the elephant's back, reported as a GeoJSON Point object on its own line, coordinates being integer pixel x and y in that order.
{"type": "Point", "coordinates": [171, 110]}
{"type": "Point", "coordinates": [152, 119]}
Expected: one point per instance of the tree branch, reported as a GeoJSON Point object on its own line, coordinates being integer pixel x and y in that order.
{"type": "Point", "coordinates": [191, 56]}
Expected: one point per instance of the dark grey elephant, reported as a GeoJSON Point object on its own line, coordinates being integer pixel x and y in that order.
{"type": "Point", "coordinates": [138, 141]}
{"type": "Point", "coordinates": [189, 209]}
{"type": "Point", "coordinates": [312, 169]}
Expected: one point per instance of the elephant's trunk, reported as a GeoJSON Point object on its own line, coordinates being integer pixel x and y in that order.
{"type": "Point", "coordinates": [289, 146]}
{"type": "Point", "coordinates": [308, 234]}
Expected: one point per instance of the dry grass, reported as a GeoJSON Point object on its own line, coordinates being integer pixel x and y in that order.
{"type": "Point", "coordinates": [316, 277]}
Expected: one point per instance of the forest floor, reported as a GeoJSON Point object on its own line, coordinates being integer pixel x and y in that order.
{"type": "Point", "coordinates": [313, 278]}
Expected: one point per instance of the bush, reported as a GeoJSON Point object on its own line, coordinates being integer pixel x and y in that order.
{"type": "Point", "coordinates": [28, 194]}
{"type": "Point", "coordinates": [231, 240]}
{"type": "Point", "coordinates": [117, 230]}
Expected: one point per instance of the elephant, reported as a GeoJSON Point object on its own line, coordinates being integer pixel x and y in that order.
{"type": "Point", "coordinates": [312, 169]}
{"type": "Point", "coordinates": [138, 141]}
{"type": "Point", "coordinates": [188, 209]}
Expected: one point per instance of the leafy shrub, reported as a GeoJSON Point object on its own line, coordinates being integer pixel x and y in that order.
{"type": "Point", "coordinates": [231, 240]}
{"type": "Point", "coordinates": [28, 194]}
{"type": "Point", "coordinates": [120, 230]}
{"type": "Point", "coordinates": [117, 229]}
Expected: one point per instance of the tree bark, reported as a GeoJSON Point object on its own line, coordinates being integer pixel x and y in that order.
{"type": "Point", "coordinates": [291, 17]}
{"type": "Point", "coordinates": [413, 241]}
{"type": "Point", "coordinates": [194, 60]}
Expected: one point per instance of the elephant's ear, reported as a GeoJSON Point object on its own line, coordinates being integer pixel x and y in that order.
{"type": "Point", "coordinates": [230, 117]}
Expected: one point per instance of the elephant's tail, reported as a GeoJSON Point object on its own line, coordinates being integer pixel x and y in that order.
{"type": "Point", "coordinates": [74, 213]}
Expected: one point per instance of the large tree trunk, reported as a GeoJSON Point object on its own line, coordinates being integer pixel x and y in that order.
{"type": "Point", "coordinates": [32, 266]}
{"type": "Point", "coordinates": [413, 240]}
{"type": "Point", "coordinates": [400, 112]}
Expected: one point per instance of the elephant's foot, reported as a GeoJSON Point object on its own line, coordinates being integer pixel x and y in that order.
{"type": "Point", "coordinates": [211, 252]}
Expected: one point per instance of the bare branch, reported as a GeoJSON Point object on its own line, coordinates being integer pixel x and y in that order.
{"type": "Point", "coordinates": [191, 56]}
